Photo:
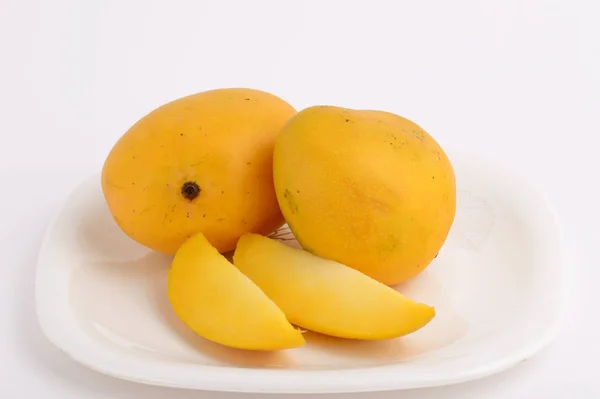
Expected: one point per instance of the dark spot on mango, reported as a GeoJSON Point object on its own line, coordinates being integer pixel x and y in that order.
{"type": "Point", "coordinates": [419, 134]}
{"type": "Point", "coordinates": [190, 190]}
{"type": "Point", "coordinates": [289, 196]}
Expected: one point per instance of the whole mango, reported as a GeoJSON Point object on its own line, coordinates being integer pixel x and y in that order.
{"type": "Point", "coordinates": [368, 189]}
{"type": "Point", "coordinates": [201, 163]}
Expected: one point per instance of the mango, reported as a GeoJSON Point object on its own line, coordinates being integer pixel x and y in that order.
{"type": "Point", "coordinates": [325, 296]}
{"type": "Point", "coordinates": [219, 303]}
{"type": "Point", "coordinates": [201, 163]}
{"type": "Point", "coordinates": [368, 189]}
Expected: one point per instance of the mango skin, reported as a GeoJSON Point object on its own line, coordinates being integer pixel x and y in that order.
{"type": "Point", "coordinates": [325, 296]}
{"type": "Point", "coordinates": [219, 303]}
{"type": "Point", "coordinates": [369, 189]}
{"type": "Point", "coordinates": [222, 140]}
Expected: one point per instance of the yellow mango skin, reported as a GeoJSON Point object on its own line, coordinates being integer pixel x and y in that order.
{"type": "Point", "coordinates": [325, 296]}
{"type": "Point", "coordinates": [369, 189]}
{"type": "Point", "coordinates": [221, 304]}
{"type": "Point", "coordinates": [220, 139]}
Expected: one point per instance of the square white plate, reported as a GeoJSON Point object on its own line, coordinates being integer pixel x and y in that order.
{"type": "Point", "coordinates": [498, 286]}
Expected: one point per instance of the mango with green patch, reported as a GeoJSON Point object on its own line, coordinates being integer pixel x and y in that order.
{"type": "Point", "coordinates": [369, 189]}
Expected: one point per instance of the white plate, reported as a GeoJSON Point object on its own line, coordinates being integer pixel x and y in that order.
{"type": "Point", "coordinates": [498, 287]}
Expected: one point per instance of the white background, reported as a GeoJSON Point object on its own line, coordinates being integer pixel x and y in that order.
{"type": "Point", "coordinates": [518, 81]}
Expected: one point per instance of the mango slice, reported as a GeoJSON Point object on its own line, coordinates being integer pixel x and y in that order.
{"type": "Point", "coordinates": [326, 296]}
{"type": "Point", "coordinates": [221, 304]}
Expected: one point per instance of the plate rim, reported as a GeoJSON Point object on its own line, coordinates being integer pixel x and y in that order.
{"type": "Point", "coordinates": [258, 380]}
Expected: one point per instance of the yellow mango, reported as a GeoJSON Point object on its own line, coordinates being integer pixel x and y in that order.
{"type": "Point", "coordinates": [221, 304]}
{"type": "Point", "coordinates": [201, 163]}
{"type": "Point", "coordinates": [369, 189]}
{"type": "Point", "coordinates": [325, 296]}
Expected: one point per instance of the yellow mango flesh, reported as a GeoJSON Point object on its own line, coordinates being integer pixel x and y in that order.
{"type": "Point", "coordinates": [201, 163]}
{"type": "Point", "coordinates": [369, 189]}
{"type": "Point", "coordinates": [218, 302]}
{"type": "Point", "coordinates": [325, 296]}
